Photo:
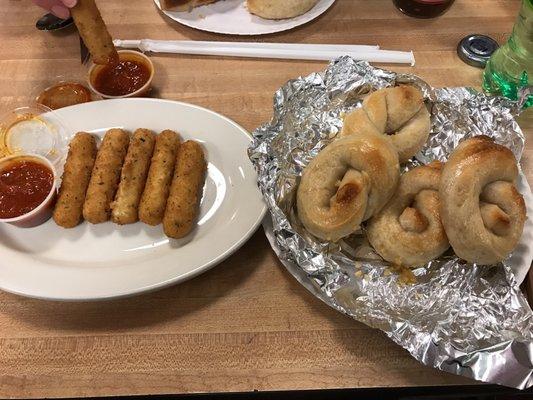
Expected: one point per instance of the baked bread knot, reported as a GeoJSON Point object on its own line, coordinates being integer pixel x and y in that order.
{"type": "Point", "coordinates": [408, 231]}
{"type": "Point", "coordinates": [482, 212]}
{"type": "Point", "coordinates": [399, 112]}
{"type": "Point", "coordinates": [348, 182]}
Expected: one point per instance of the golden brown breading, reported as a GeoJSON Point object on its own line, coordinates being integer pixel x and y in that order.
{"type": "Point", "coordinates": [76, 176]}
{"type": "Point", "coordinates": [134, 172]}
{"type": "Point", "coordinates": [186, 191]}
{"type": "Point", "coordinates": [154, 197]}
{"type": "Point", "coordinates": [94, 32]}
{"type": "Point", "coordinates": [106, 176]}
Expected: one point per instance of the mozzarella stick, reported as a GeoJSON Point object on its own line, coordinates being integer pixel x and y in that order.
{"type": "Point", "coordinates": [154, 198]}
{"type": "Point", "coordinates": [185, 191]}
{"type": "Point", "coordinates": [134, 172]}
{"type": "Point", "coordinates": [105, 176]}
{"type": "Point", "coordinates": [94, 32]}
{"type": "Point", "coordinates": [76, 176]}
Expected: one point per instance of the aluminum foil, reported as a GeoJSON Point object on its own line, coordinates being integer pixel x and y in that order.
{"type": "Point", "coordinates": [461, 318]}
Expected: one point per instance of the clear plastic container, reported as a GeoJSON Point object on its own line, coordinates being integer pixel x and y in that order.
{"type": "Point", "coordinates": [63, 91]}
{"type": "Point", "coordinates": [34, 130]}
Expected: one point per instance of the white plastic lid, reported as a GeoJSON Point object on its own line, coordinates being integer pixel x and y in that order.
{"type": "Point", "coordinates": [34, 130]}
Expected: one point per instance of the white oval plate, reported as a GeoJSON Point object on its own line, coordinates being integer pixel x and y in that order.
{"type": "Point", "coordinates": [231, 17]}
{"type": "Point", "coordinates": [95, 262]}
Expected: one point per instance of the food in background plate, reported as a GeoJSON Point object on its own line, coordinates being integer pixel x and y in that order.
{"type": "Point", "coordinates": [76, 175]}
{"type": "Point", "coordinates": [94, 32]}
{"type": "Point", "coordinates": [125, 208]}
{"type": "Point", "coordinates": [482, 211]}
{"type": "Point", "coordinates": [25, 183]}
{"type": "Point", "coordinates": [183, 5]}
{"type": "Point", "coordinates": [186, 191]}
{"type": "Point", "coordinates": [280, 9]}
{"type": "Point", "coordinates": [408, 231]}
{"type": "Point", "coordinates": [106, 176]}
{"type": "Point", "coordinates": [399, 112]}
{"type": "Point", "coordinates": [347, 183]}
{"type": "Point", "coordinates": [64, 94]}
{"type": "Point", "coordinates": [154, 197]}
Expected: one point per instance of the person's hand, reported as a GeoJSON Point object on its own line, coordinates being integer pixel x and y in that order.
{"type": "Point", "coordinates": [60, 8]}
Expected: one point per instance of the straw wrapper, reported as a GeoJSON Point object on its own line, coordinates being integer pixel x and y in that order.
{"type": "Point", "coordinates": [461, 318]}
{"type": "Point", "coordinates": [287, 51]}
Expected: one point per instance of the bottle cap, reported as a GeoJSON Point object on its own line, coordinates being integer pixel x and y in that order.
{"type": "Point", "coordinates": [476, 50]}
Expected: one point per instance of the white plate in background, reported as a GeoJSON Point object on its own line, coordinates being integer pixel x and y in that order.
{"type": "Point", "coordinates": [104, 261]}
{"type": "Point", "coordinates": [231, 17]}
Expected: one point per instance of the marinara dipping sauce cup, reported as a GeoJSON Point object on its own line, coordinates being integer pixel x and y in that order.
{"type": "Point", "coordinates": [131, 77]}
{"type": "Point", "coordinates": [28, 188]}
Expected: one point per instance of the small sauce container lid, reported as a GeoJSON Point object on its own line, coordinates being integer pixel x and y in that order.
{"type": "Point", "coordinates": [34, 130]}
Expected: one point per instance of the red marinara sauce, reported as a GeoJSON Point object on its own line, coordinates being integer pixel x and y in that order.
{"type": "Point", "coordinates": [121, 79]}
{"type": "Point", "coordinates": [24, 185]}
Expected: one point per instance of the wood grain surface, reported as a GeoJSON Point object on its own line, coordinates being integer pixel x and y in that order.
{"type": "Point", "coordinates": [247, 324]}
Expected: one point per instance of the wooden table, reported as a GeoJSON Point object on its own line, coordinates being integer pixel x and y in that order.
{"type": "Point", "coordinates": [247, 324]}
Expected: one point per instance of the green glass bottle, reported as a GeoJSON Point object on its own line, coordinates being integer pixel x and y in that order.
{"type": "Point", "coordinates": [511, 67]}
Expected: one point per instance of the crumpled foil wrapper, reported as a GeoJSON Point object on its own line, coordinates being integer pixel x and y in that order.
{"type": "Point", "coordinates": [465, 319]}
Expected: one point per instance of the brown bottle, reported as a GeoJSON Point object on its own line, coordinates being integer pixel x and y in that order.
{"type": "Point", "coordinates": [423, 8]}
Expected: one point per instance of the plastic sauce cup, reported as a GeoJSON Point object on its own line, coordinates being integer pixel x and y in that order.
{"type": "Point", "coordinates": [124, 55]}
{"type": "Point", "coordinates": [43, 211]}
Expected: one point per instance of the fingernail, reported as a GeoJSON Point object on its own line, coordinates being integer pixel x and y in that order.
{"type": "Point", "coordinates": [70, 3]}
{"type": "Point", "coordinates": [60, 12]}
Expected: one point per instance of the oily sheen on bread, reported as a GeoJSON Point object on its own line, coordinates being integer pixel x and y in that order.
{"type": "Point", "coordinates": [397, 112]}
{"type": "Point", "coordinates": [408, 231]}
{"type": "Point", "coordinates": [280, 9]}
{"type": "Point", "coordinates": [183, 5]}
{"type": "Point", "coordinates": [481, 209]}
{"type": "Point", "coordinates": [348, 182]}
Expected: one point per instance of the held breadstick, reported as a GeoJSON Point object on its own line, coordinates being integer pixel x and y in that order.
{"type": "Point", "coordinates": [76, 176]}
{"type": "Point", "coordinates": [154, 198]}
{"type": "Point", "coordinates": [186, 191]}
{"type": "Point", "coordinates": [105, 176]}
{"type": "Point", "coordinates": [94, 32]}
{"type": "Point", "coordinates": [134, 172]}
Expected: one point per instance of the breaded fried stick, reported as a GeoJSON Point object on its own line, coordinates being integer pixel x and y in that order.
{"type": "Point", "coordinates": [94, 32]}
{"type": "Point", "coordinates": [106, 176]}
{"type": "Point", "coordinates": [133, 178]}
{"type": "Point", "coordinates": [76, 176]}
{"type": "Point", "coordinates": [186, 191]}
{"type": "Point", "coordinates": [154, 198]}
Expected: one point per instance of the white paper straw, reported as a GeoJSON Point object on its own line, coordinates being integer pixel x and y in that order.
{"type": "Point", "coordinates": [293, 51]}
